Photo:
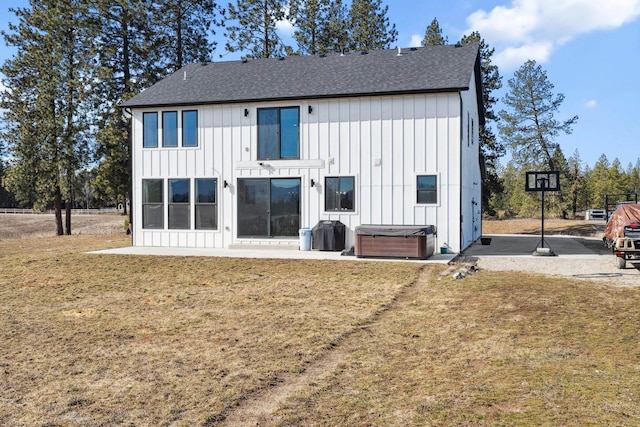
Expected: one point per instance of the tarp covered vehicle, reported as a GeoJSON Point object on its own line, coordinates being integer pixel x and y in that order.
{"type": "Point", "coordinates": [622, 234]}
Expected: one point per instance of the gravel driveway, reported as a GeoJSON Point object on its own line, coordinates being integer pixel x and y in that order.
{"type": "Point", "coordinates": [578, 257]}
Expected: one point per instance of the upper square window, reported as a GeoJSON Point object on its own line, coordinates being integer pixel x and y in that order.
{"type": "Point", "coordinates": [278, 133]}
{"type": "Point", "coordinates": [150, 130]}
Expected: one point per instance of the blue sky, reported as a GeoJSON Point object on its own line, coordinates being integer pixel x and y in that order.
{"type": "Point", "coordinates": [590, 50]}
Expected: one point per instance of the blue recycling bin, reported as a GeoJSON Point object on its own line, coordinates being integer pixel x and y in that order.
{"type": "Point", "coordinates": [305, 239]}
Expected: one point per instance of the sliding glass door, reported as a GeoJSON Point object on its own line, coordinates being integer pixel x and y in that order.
{"type": "Point", "coordinates": [268, 207]}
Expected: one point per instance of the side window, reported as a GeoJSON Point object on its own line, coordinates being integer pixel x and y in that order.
{"type": "Point", "coordinates": [190, 128]}
{"type": "Point", "coordinates": [179, 204]}
{"type": "Point", "coordinates": [152, 202]}
{"type": "Point", "coordinates": [339, 193]}
{"type": "Point", "coordinates": [150, 130]}
{"type": "Point", "coordinates": [278, 133]}
{"type": "Point", "coordinates": [206, 204]}
{"type": "Point", "coordinates": [473, 132]}
{"type": "Point", "coordinates": [169, 129]}
{"type": "Point", "coordinates": [427, 189]}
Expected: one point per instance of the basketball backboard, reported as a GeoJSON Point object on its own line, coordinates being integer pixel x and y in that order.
{"type": "Point", "coordinates": [543, 181]}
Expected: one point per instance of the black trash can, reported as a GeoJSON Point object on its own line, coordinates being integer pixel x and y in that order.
{"type": "Point", "coordinates": [329, 236]}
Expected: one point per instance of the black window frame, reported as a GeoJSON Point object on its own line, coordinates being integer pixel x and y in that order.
{"type": "Point", "coordinates": [200, 205]}
{"type": "Point", "coordinates": [423, 194]}
{"type": "Point", "coordinates": [165, 142]}
{"type": "Point", "coordinates": [335, 198]}
{"type": "Point", "coordinates": [173, 205]}
{"type": "Point", "coordinates": [147, 204]}
{"type": "Point", "coordinates": [279, 135]}
{"type": "Point", "coordinates": [184, 140]}
{"type": "Point", "coordinates": [145, 142]}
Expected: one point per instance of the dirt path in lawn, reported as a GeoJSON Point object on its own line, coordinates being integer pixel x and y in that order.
{"type": "Point", "coordinates": [258, 409]}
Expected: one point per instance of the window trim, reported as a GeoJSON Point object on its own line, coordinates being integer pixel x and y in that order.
{"type": "Point", "coordinates": [418, 191]}
{"type": "Point", "coordinates": [326, 186]}
{"type": "Point", "coordinates": [279, 133]}
{"type": "Point", "coordinates": [165, 144]}
{"type": "Point", "coordinates": [157, 204]}
{"type": "Point", "coordinates": [171, 204]}
{"type": "Point", "coordinates": [197, 203]}
{"type": "Point", "coordinates": [152, 144]}
{"type": "Point", "coordinates": [195, 130]}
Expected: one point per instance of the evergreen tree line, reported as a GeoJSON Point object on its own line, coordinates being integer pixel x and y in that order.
{"type": "Point", "coordinates": [67, 141]}
{"type": "Point", "coordinates": [528, 127]}
{"type": "Point", "coordinates": [581, 188]}
{"type": "Point", "coordinates": [77, 60]}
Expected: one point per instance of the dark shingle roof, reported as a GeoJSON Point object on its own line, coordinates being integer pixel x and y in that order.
{"type": "Point", "coordinates": [417, 70]}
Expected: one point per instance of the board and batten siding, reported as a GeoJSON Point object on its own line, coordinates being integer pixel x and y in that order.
{"type": "Point", "coordinates": [383, 142]}
{"type": "Point", "coordinates": [471, 179]}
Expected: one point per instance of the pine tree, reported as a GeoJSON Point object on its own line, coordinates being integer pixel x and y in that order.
{"type": "Point", "coordinates": [575, 182]}
{"type": "Point", "coordinates": [128, 55]}
{"type": "Point", "coordinates": [334, 34]}
{"type": "Point", "coordinates": [184, 29]}
{"type": "Point", "coordinates": [370, 28]}
{"type": "Point", "coordinates": [433, 35]}
{"type": "Point", "coordinates": [254, 28]}
{"type": "Point", "coordinates": [49, 81]}
{"type": "Point", "coordinates": [598, 182]}
{"type": "Point", "coordinates": [530, 127]}
{"type": "Point", "coordinates": [320, 25]}
{"type": "Point", "coordinates": [7, 199]}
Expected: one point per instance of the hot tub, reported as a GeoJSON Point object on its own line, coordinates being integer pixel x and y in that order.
{"type": "Point", "coordinates": [395, 241]}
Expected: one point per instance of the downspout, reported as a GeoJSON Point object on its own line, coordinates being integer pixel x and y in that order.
{"type": "Point", "coordinates": [461, 130]}
{"type": "Point", "coordinates": [129, 115]}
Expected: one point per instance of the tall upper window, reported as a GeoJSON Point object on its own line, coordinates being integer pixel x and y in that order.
{"type": "Point", "coordinates": [152, 202]}
{"type": "Point", "coordinates": [150, 129]}
{"type": "Point", "coordinates": [278, 133]}
{"type": "Point", "coordinates": [179, 204]}
{"type": "Point", "coordinates": [427, 189]}
{"type": "Point", "coordinates": [169, 129]}
{"type": "Point", "coordinates": [206, 204]}
{"type": "Point", "coordinates": [190, 128]}
{"type": "Point", "coordinates": [339, 193]}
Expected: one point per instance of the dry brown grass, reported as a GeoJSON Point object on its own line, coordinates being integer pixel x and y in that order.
{"type": "Point", "coordinates": [107, 340]}
{"type": "Point", "coordinates": [494, 349]}
{"type": "Point", "coordinates": [18, 226]}
{"type": "Point", "coordinates": [534, 225]}
{"type": "Point", "coordinates": [93, 340]}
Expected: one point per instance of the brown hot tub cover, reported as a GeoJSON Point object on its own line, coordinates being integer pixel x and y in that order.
{"type": "Point", "coordinates": [395, 230]}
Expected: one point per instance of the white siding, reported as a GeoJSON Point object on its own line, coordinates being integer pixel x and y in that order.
{"type": "Point", "coordinates": [383, 142]}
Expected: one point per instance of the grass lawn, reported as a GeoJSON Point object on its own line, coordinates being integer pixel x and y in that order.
{"type": "Point", "coordinates": [149, 341]}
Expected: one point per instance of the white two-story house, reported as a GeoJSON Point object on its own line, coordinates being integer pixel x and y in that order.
{"type": "Point", "coordinates": [248, 152]}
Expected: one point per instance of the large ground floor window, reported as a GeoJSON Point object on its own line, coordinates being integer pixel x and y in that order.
{"type": "Point", "coordinates": [181, 207]}
{"type": "Point", "coordinates": [152, 203]}
{"type": "Point", "coordinates": [268, 207]}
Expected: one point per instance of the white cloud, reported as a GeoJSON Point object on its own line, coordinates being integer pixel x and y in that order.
{"type": "Point", "coordinates": [592, 103]}
{"type": "Point", "coordinates": [533, 29]}
{"type": "Point", "coordinates": [512, 57]}
{"type": "Point", "coordinates": [416, 40]}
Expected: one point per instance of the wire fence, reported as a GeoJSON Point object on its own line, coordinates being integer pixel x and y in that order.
{"type": "Point", "coordinates": [101, 211]}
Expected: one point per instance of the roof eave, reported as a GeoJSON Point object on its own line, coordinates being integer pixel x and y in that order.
{"type": "Point", "coordinates": [296, 98]}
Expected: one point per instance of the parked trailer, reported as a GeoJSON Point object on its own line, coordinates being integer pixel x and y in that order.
{"type": "Point", "coordinates": [622, 234]}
